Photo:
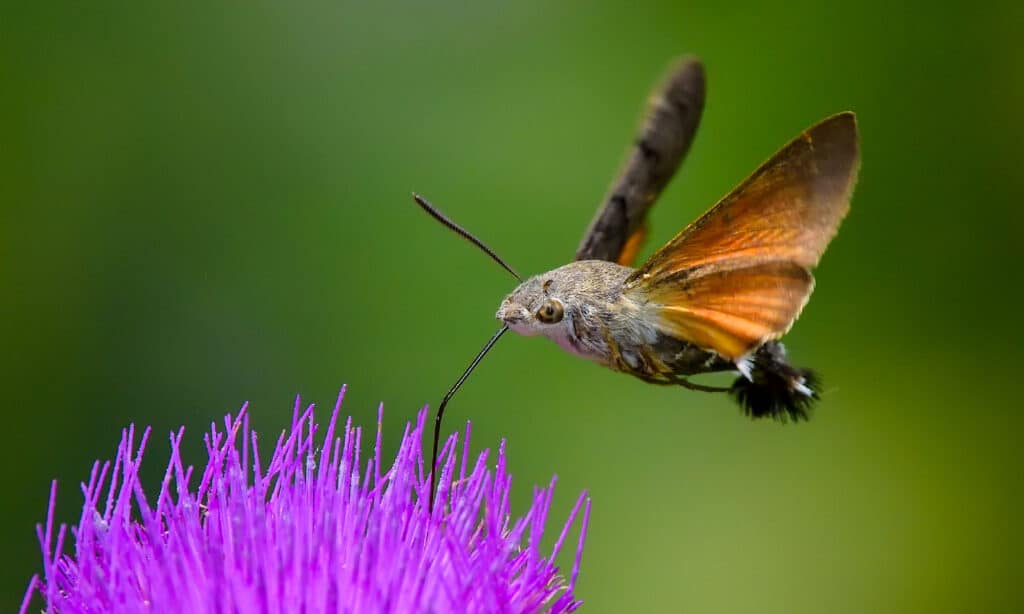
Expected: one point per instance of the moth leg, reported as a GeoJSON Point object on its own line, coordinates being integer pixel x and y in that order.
{"type": "Point", "coordinates": [657, 365]}
{"type": "Point", "coordinates": [685, 383]}
{"type": "Point", "coordinates": [676, 380]}
{"type": "Point", "coordinates": [614, 353]}
{"type": "Point", "coordinates": [653, 379]}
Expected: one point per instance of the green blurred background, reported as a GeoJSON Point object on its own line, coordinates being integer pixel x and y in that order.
{"type": "Point", "coordinates": [206, 204]}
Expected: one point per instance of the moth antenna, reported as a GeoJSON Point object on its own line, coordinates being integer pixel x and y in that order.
{"type": "Point", "coordinates": [462, 232]}
{"type": "Point", "coordinates": [447, 397]}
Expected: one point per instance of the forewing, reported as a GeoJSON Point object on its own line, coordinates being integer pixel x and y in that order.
{"type": "Point", "coordinates": [740, 274]}
{"type": "Point", "coordinates": [789, 209]}
{"type": "Point", "coordinates": [675, 110]}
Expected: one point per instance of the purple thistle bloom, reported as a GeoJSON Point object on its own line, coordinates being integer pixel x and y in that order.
{"type": "Point", "coordinates": [310, 532]}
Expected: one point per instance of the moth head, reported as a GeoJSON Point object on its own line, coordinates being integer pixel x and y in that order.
{"type": "Point", "coordinates": [535, 307]}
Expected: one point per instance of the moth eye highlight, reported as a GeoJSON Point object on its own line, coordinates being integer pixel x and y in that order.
{"type": "Point", "coordinates": [550, 312]}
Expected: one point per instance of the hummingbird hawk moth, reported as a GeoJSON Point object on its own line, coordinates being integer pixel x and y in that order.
{"type": "Point", "coordinates": [717, 296]}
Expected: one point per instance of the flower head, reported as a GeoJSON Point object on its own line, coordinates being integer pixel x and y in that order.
{"type": "Point", "coordinates": [312, 531]}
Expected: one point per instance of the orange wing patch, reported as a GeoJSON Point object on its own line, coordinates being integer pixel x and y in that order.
{"type": "Point", "coordinates": [733, 311]}
{"type": "Point", "coordinates": [740, 274]}
{"type": "Point", "coordinates": [633, 245]}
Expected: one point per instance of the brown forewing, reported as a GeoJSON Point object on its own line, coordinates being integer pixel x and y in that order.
{"type": "Point", "coordinates": [740, 274]}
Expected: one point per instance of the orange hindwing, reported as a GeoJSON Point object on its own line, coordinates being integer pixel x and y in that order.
{"type": "Point", "coordinates": [740, 274]}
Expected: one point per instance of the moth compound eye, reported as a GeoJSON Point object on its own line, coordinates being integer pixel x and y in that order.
{"type": "Point", "coordinates": [550, 312]}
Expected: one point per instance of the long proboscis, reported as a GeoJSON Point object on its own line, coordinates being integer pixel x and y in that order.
{"type": "Point", "coordinates": [462, 232]}
{"type": "Point", "coordinates": [444, 402]}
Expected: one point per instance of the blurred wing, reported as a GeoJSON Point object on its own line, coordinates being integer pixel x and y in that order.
{"type": "Point", "coordinates": [740, 274]}
{"type": "Point", "coordinates": [665, 138]}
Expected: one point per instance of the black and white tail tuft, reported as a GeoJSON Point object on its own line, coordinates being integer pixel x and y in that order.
{"type": "Point", "coordinates": [774, 388]}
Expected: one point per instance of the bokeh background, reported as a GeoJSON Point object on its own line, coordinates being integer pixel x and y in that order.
{"type": "Point", "coordinates": [203, 204]}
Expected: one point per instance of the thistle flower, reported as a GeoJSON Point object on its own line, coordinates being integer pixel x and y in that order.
{"type": "Point", "coordinates": [309, 532]}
